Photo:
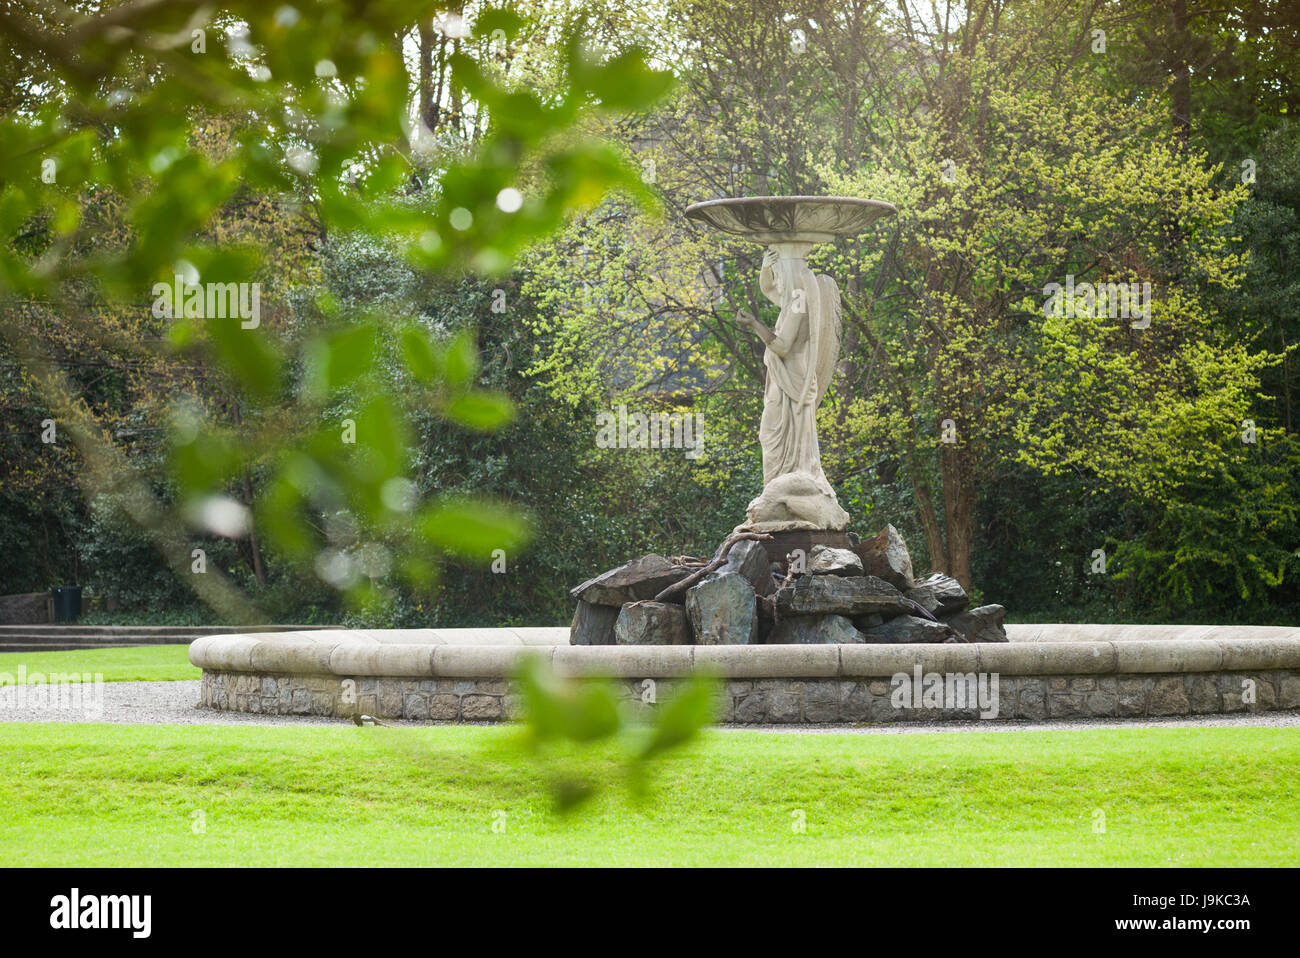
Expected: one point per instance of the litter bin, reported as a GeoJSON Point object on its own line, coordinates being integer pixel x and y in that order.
{"type": "Point", "coordinates": [67, 603]}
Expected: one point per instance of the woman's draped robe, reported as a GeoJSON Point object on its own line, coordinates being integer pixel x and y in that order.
{"type": "Point", "coordinates": [800, 362]}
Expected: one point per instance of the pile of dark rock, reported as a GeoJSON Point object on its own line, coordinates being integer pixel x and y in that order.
{"type": "Point", "coordinates": [745, 595]}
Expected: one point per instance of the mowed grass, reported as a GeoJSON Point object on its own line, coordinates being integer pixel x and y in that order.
{"type": "Point", "coordinates": [146, 663]}
{"type": "Point", "coordinates": [94, 795]}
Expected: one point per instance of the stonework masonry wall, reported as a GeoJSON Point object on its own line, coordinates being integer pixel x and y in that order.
{"type": "Point", "coordinates": [768, 701]}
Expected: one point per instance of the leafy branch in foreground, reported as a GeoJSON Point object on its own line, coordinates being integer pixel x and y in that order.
{"type": "Point", "coordinates": [569, 722]}
{"type": "Point", "coordinates": [300, 434]}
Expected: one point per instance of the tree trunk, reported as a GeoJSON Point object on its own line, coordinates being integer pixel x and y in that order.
{"type": "Point", "coordinates": [958, 506]}
{"type": "Point", "coordinates": [428, 107]}
{"type": "Point", "coordinates": [1182, 78]}
{"type": "Point", "coordinates": [254, 545]}
{"type": "Point", "coordinates": [934, 540]}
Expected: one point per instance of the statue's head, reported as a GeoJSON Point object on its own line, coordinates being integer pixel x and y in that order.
{"type": "Point", "coordinates": [784, 270]}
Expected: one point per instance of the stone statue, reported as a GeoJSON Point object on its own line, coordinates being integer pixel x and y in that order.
{"type": "Point", "coordinates": [802, 348]}
{"type": "Point", "coordinates": [800, 358]}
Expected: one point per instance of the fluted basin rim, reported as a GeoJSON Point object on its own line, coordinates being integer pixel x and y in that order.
{"type": "Point", "coordinates": [790, 219]}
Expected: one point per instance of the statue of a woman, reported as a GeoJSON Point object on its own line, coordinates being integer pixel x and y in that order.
{"type": "Point", "coordinates": [800, 358]}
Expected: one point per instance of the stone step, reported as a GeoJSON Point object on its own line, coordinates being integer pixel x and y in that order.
{"type": "Point", "coordinates": [81, 638]}
{"type": "Point", "coordinates": [112, 630]}
{"type": "Point", "coordinates": [95, 641]}
{"type": "Point", "coordinates": [67, 637]}
{"type": "Point", "coordinates": [72, 646]}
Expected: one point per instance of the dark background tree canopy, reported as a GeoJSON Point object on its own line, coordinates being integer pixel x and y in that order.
{"type": "Point", "coordinates": [167, 155]}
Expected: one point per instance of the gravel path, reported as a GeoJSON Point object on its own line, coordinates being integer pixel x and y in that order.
{"type": "Point", "coordinates": [172, 703]}
{"type": "Point", "coordinates": [153, 703]}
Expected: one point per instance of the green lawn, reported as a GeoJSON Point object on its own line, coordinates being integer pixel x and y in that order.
{"type": "Point", "coordinates": [147, 663]}
{"type": "Point", "coordinates": [76, 795]}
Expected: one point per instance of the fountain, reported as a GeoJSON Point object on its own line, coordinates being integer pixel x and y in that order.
{"type": "Point", "coordinates": [791, 572]}
{"type": "Point", "coordinates": [846, 635]}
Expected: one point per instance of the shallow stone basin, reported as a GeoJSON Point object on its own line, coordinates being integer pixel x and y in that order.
{"type": "Point", "coordinates": [790, 219]}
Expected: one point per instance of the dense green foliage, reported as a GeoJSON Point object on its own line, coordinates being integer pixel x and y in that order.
{"type": "Point", "coordinates": [135, 160]}
{"type": "Point", "coordinates": [354, 163]}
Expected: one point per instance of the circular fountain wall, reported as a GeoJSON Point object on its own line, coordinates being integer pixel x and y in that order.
{"type": "Point", "coordinates": [1044, 672]}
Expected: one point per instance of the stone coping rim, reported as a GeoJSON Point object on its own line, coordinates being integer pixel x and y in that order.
{"type": "Point", "coordinates": [495, 653]}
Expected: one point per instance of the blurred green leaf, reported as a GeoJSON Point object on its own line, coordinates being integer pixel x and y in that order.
{"type": "Point", "coordinates": [460, 361]}
{"type": "Point", "coordinates": [484, 411]}
{"type": "Point", "coordinates": [472, 528]}
{"type": "Point", "coordinates": [624, 82]}
{"type": "Point", "coordinates": [418, 352]}
{"type": "Point", "coordinates": [210, 458]}
{"type": "Point", "coordinates": [564, 709]}
{"type": "Point", "coordinates": [247, 353]}
{"type": "Point", "coordinates": [493, 19]}
{"type": "Point", "coordinates": [680, 718]}
{"type": "Point", "coordinates": [382, 433]}
{"type": "Point", "coordinates": [340, 358]}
